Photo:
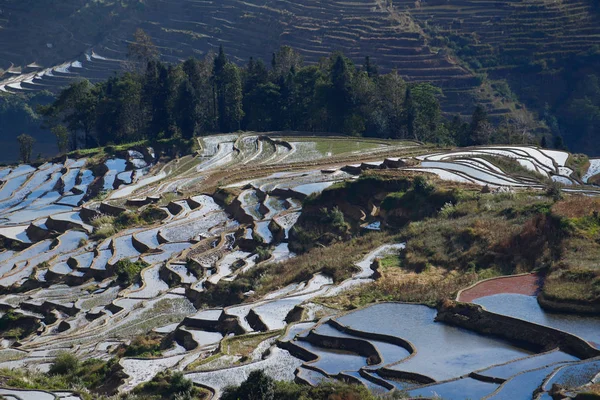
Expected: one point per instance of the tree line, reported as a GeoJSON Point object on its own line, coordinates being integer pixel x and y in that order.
{"type": "Point", "coordinates": [154, 100]}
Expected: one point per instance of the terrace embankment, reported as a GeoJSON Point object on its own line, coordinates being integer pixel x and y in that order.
{"type": "Point", "coordinates": [475, 318]}
{"type": "Point", "coordinates": [568, 306]}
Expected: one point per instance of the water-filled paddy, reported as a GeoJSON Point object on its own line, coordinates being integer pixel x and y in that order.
{"type": "Point", "coordinates": [115, 166]}
{"type": "Point", "coordinates": [280, 365]}
{"type": "Point", "coordinates": [443, 351]}
{"type": "Point", "coordinates": [461, 389]}
{"type": "Point", "coordinates": [310, 188]}
{"type": "Point", "coordinates": [262, 229]}
{"type": "Point", "coordinates": [333, 361]}
{"type": "Point", "coordinates": [574, 375]}
{"type": "Point", "coordinates": [522, 386]}
{"type": "Point", "coordinates": [389, 352]}
{"type": "Point", "coordinates": [168, 251]}
{"type": "Point", "coordinates": [528, 309]}
{"type": "Point", "coordinates": [372, 386]}
{"type": "Point", "coordinates": [505, 371]}
{"type": "Point", "coordinates": [311, 376]}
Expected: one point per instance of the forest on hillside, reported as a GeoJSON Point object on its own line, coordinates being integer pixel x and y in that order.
{"type": "Point", "coordinates": [214, 95]}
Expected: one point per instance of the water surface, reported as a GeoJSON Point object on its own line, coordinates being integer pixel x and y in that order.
{"type": "Point", "coordinates": [527, 308]}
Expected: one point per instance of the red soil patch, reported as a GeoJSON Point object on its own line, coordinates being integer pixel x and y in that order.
{"type": "Point", "coordinates": [523, 284]}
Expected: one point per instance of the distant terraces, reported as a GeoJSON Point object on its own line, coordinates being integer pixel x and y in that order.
{"type": "Point", "coordinates": [498, 33]}
{"type": "Point", "coordinates": [535, 30]}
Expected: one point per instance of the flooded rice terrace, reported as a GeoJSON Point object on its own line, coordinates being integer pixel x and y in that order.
{"type": "Point", "coordinates": [61, 276]}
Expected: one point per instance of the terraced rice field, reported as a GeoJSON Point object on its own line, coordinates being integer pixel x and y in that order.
{"type": "Point", "coordinates": [185, 28]}
{"type": "Point", "coordinates": [57, 274]}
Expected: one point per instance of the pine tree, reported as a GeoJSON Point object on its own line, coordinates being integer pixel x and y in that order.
{"type": "Point", "coordinates": [411, 114]}
{"type": "Point", "coordinates": [370, 68]}
{"type": "Point", "coordinates": [231, 96]}
{"type": "Point", "coordinates": [219, 82]}
{"type": "Point", "coordinates": [559, 144]}
{"type": "Point", "coordinates": [188, 110]}
{"type": "Point", "coordinates": [26, 143]}
{"type": "Point", "coordinates": [478, 130]}
{"type": "Point", "coordinates": [220, 62]}
{"type": "Point", "coordinates": [339, 99]}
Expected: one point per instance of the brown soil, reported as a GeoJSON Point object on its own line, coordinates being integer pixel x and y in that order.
{"type": "Point", "coordinates": [522, 284]}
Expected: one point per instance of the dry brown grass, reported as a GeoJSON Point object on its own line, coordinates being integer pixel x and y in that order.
{"type": "Point", "coordinates": [246, 344]}
{"type": "Point", "coordinates": [432, 178]}
{"type": "Point", "coordinates": [238, 346]}
{"type": "Point", "coordinates": [576, 206]}
{"type": "Point", "coordinates": [573, 285]}
{"type": "Point", "coordinates": [429, 287]}
{"type": "Point", "coordinates": [592, 389]}
{"type": "Point", "coordinates": [336, 261]}
{"type": "Point", "coordinates": [594, 180]}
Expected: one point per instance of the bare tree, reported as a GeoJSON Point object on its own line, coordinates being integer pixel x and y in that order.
{"type": "Point", "coordinates": [524, 123]}
{"type": "Point", "coordinates": [140, 51]}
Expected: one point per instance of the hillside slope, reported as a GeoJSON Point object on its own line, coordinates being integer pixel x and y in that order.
{"type": "Point", "coordinates": [470, 48]}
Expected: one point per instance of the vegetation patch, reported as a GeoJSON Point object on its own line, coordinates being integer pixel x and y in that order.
{"type": "Point", "coordinates": [455, 237]}
{"type": "Point", "coordinates": [17, 326]}
{"type": "Point", "coordinates": [261, 386]}
{"type": "Point", "coordinates": [128, 272]}
{"type": "Point", "coordinates": [149, 345]}
{"type": "Point", "coordinates": [68, 373]}
{"type": "Point", "coordinates": [579, 163]}
{"type": "Point", "coordinates": [240, 347]}
{"type": "Point", "coordinates": [337, 261]}
{"type": "Point", "coordinates": [106, 226]}
{"type": "Point", "coordinates": [170, 385]}
{"type": "Point", "coordinates": [512, 167]}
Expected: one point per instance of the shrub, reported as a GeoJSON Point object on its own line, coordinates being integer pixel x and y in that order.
{"type": "Point", "coordinates": [142, 346]}
{"type": "Point", "coordinates": [448, 210]}
{"type": "Point", "coordinates": [258, 386]}
{"type": "Point", "coordinates": [422, 186]}
{"type": "Point", "coordinates": [169, 385]}
{"type": "Point", "coordinates": [263, 253]}
{"type": "Point", "coordinates": [152, 214]}
{"type": "Point", "coordinates": [128, 272]}
{"type": "Point", "coordinates": [127, 220]}
{"type": "Point", "coordinates": [554, 191]}
{"type": "Point", "coordinates": [16, 325]}
{"type": "Point", "coordinates": [65, 363]}
{"type": "Point", "coordinates": [104, 227]}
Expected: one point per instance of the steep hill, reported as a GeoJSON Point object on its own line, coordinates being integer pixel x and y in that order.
{"type": "Point", "coordinates": [471, 48]}
{"type": "Point", "coordinates": [184, 28]}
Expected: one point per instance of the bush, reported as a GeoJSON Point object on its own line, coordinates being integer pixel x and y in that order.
{"type": "Point", "coordinates": [152, 214]}
{"type": "Point", "coordinates": [259, 386]}
{"type": "Point", "coordinates": [128, 272]}
{"type": "Point", "coordinates": [127, 220]}
{"type": "Point", "coordinates": [64, 364]}
{"type": "Point", "coordinates": [169, 385]}
{"type": "Point", "coordinates": [263, 253]}
{"type": "Point", "coordinates": [142, 346]}
{"type": "Point", "coordinates": [448, 210]}
{"type": "Point", "coordinates": [554, 190]}
{"type": "Point", "coordinates": [17, 325]}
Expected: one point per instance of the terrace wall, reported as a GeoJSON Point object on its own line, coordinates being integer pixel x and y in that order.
{"type": "Point", "coordinates": [477, 319]}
